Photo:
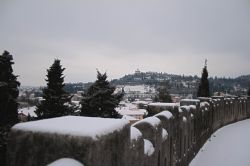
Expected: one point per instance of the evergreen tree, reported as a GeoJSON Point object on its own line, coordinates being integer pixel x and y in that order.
{"type": "Point", "coordinates": [248, 92]}
{"type": "Point", "coordinates": [8, 104]}
{"type": "Point", "coordinates": [100, 100]}
{"type": "Point", "coordinates": [56, 101]}
{"type": "Point", "coordinates": [163, 93]}
{"type": "Point", "coordinates": [203, 90]}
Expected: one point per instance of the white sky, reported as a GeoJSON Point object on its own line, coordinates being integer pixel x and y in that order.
{"type": "Point", "coordinates": [119, 36]}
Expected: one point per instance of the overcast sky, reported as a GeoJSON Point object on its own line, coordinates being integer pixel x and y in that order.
{"type": "Point", "coordinates": [119, 36]}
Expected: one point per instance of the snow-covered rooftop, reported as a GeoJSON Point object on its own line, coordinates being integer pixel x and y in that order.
{"type": "Point", "coordinates": [132, 112]}
{"type": "Point", "coordinates": [28, 111]}
{"type": "Point", "coordinates": [129, 106]}
{"type": "Point", "coordinates": [141, 102]}
{"type": "Point", "coordinates": [127, 117]}
{"type": "Point", "coordinates": [74, 125]}
{"type": "Point", "coordinates": [130, 109]}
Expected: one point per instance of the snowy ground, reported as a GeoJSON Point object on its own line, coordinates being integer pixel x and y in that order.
{"type": "Point", "coordinates": [229, 146]}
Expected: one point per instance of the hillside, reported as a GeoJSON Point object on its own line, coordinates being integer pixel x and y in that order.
{"type": "Point", "coordinates": [179, 84]}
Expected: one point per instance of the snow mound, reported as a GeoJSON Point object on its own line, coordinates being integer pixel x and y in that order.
{"type": "Point", "coordinates": [184, 119]}
{"type": "Point", "coordinates": [74, 125]}
{"type": "Point", "coordinates": [166, 114]}
{"type": "Point", "coordinates": [186, 108]}
{"type": "Point", "coordinates": [148, 148]}
{"type": "Point", "coordinates": [135, 134]}
{"type": "Point", "coordinates": [154, 121]}
{"type": "Point", "coordinates": [204, 104]}
{"type": "Point", "coordinates": [164, 134]}
{"type": "Point", "coordinates": [66, 162]}
{"type": "Point", "coordinates": [192, 106]}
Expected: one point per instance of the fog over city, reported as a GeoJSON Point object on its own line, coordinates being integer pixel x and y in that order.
{"type": "Point", "coordinates": [173, 36]}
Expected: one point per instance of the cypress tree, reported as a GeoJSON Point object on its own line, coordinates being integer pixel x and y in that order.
{"type": "Point", "coordinates": [8, 100]}
{"type": "Point", "coordinates": [203, 90]}
{"type": "Point", "coordinates": [100, 100]}
{"type": "Point", "coordinates": [56, 100]}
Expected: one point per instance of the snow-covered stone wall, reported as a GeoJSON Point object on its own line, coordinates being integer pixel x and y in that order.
{"type": "Point", "coordinates": [172, 137]}
{"type": "Point", "coordinates": [91, 141]}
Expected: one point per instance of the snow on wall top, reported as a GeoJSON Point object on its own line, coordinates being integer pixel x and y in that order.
{"type": "Point", "coordinates": [166, 114]}
{"type": "Point", "coordinates": [135, 134]}
{"type": "Point", "coordinates": [188, 107]}
{"type": "Point", "coordinates": [66, 162]}
{"type": "Point", "coordinates": [154, 121]}
{"type": "Point", "coordinates": [74, 125]}
{"type": "Point", "coordinates": [165, 104]}
{"type": "Point", "coordinates": [218, 96]}
{"type": "Point", "coordinates": [191, 100]}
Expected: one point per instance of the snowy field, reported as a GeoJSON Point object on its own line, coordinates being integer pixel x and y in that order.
{"type": "Point", "coordinates": [229, 146]}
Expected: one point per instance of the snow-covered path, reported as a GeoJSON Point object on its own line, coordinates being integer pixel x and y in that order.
{"type": "Point", "coordinates": [229, 146]}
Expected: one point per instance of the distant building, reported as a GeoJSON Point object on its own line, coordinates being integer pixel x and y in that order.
{"type": "Point", "coordinates": [24, 113]}
{"type": "Point", "coordinates": [77, 96]}
{"type": "Point", "coordinates": [131, 112]}
{"type": "Point", "coordinates": [137, 71]}
{"type": "Point", "coordinates": [140, 92]}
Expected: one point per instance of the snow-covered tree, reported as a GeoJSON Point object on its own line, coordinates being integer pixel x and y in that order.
{"type": "Point", "coordinates": [100, 100]}
{"type": "Point", "coordinates": [8, 104]}
{"type": "Point", "coordinates": [203, 90]}
{"type": "Point", "coordinates": [56, 101]}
